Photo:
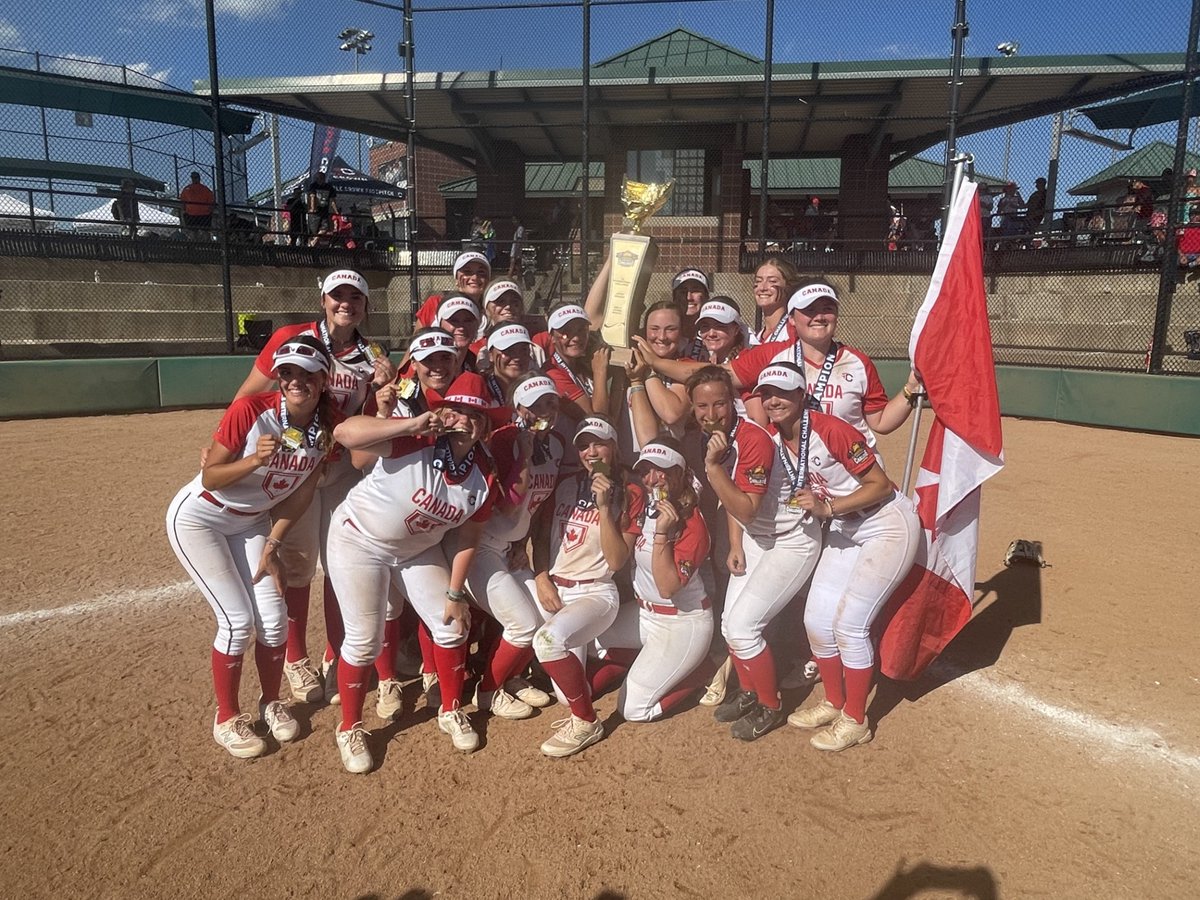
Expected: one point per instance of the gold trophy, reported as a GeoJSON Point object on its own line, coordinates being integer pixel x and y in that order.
{"type": "Point", "coordinates": [633, 257]}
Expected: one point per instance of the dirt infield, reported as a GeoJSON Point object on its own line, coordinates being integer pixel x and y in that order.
{"type": "Point", "coordinates": [1054, 753]}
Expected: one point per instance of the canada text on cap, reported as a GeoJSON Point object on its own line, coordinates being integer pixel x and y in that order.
{"type": "Point", "coordinates": [806, 296]}
{"type": "Point", "coordinates": [345, 276]}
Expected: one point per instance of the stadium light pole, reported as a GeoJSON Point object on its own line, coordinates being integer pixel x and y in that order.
{"type": "Point", "coordinates": [358, 42]}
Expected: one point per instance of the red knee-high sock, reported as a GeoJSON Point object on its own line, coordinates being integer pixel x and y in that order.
{"type": "Point", "coordinates": [385, 663]}
{"type": "Point", "coordinates": [745, 676]}
{"type": "Point", "coordinates": [568, 674]}
{"type": "Point", "coordinates": [762, 673]}
{"type": "Point", "coordinates": [269, 662]}
{"type": "Point", "coordinates": [352, 686]}
{"type": "Point", "coordinates": [296, 599]}
{"type": "Point", "coordinates": [606, 673]}
{"type": "Point", "coordinates": [831, 676]}
{"type": "Point", "coordinates": [227, 675]}
{"type": "Point", "coordinates": [858, 688]}
{"type": "Point", "coordinates": [451, 663]}
{"type": "Point", "coordinates": [699, 677]}
{"type": "Point", "coordinates": [335, 631]}
{"type": "Point", "coordinates": [425, 640]}
{"type": "Point", "coordinates": [490, 635]}
{"type": "Point", "coordinates": [506, 661]}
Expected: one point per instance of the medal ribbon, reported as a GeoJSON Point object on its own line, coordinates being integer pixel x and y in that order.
{"type": "Point", "coordinates": [443, 460]}
{"type": "Point", "coordinates": [818, 391]}
{"type": "Point", "coordinates": [311, 433]}
{"type": "Point", "coordinates": [586, 384]}
{"type": "Point", "coordinates": [323, 331]}
{"type": "Point", "coordinates": [493, 384]}
{"type": "Point", "coordinates": [798, 473]}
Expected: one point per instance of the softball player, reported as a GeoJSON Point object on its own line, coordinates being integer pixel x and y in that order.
{"type": "Point", "coordinates": [656, 403]}
{"type": "Point", "coordinates": [581, 539]}
{"type": "Point", "coordinates": [773, 282]}
{"type": "Point", "coordinates": [580, 373]}
{"type": "Point", "coordinates": [527, 456]}
{"type": "Point", "coordinates": [359, 367]}
{"type": "Point", "coordinates": [471, 272]}
{"type": "Point", "coordinates": [458, 316]}
{"type": "Point", "coordinates": [690, 291]}
{"type": "Point", "coordinates": [782, 543]}
{"type": "Point", "coordinates": [510, 358]}
{"type": "Point", "coordinates": [433, 475]}
{"type": "Point", "coordinates": [662, 639]}
{"type": "Point", "coordinates": [264, 459]}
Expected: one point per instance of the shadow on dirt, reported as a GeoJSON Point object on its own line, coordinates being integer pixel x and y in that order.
{"type": "Point", "coordinates": [975, 882]}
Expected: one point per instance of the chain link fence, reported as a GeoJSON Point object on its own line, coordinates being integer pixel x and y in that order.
{"type": "Point", "coordinates": [1075, 264]}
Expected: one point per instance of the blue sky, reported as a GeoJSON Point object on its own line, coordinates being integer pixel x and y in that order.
{"type": "Point", "coordinates": [166, 39]}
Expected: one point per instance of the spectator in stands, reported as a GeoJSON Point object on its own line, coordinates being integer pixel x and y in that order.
{"type": "Point", "coordinates": [297, 213]}
{"type": "Point", "coordinates": [125, 207]}
{"type": "Point", "coordinates": [518, 241]}
{"type": "Point", "coordinates": [1188, 241]}
{"type": "Point", "coordinates": [322, 206]}
{"type": "Point", "coordinates": [1124, 217]}
{"type": "Point", "coordinates": [1035, 208]}
{"type": "Point", "coordinates": [1191, 190]}
{"type": "Point", "coordinates": [1144, 202]}
{"type": "Point", "coordinates": [985, 211]}
{"type": "Point", "coordinates": [198, 203]}
{"type": "Point", "coordinates": [1009, 210]}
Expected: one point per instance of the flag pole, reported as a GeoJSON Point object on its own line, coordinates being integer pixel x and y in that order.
{"type": "Point", "coordinates": [964, 168]}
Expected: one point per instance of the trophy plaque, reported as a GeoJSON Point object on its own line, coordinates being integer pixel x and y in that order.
{"type": "Point", "coordinates": [633, 256]}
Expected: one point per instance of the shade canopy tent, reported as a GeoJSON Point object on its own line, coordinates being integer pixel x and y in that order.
{"type": "Point", "coordinates": [689, 80]}
{"type": "Point", "coordinates": [152, 220]}
{"type": "Point", "coordinates": [347, 181]}
{"type": "Point", "coordinates": [18, 215]}
{"type": "Point", "coordinates": [1145, 164]}
{"type": "Point", "coordinates": [1154, 107]}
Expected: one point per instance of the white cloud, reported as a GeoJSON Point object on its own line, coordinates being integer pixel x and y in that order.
{"type": "Point", "coordinates": [10, 35]}
{"type": "Point", "coordinates": [142, 74]}
{"type": "Point", "coordinates": [902, 51]}
{"type": "Point", "coordinates": [191, 12]}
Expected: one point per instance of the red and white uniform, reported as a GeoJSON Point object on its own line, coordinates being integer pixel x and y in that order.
{"type": "Point", "coordinates": [388, 532]}
{"type": "Point", "coordinates": [508, 595]}
{"type": "Point", "coordinates": [579, 569]}
{"type": "Point", "coordinates": [783, 331]}
{"type": "Point", "coordinates": [853, 388]}
{"type": "Point", "coordinates": [867, 552]}
{"type": "Point", "coordinates": [219, 535]}
{"type": "Point", "coordinates": [350, 380]}
{"type": "Point", "coordinates": [673, 635]}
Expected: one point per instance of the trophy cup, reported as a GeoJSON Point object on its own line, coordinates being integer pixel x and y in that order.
{"type": "Point", "coordinates": [633, 257]}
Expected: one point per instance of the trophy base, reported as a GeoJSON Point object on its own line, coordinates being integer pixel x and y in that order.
{"type": "Point", "coordinates": [621, 356]}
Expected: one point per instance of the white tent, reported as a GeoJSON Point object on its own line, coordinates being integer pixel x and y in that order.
{"type": "Point", "coordinates": [15, 213]}
{"type": "Point", "coordinates": [100, 221]}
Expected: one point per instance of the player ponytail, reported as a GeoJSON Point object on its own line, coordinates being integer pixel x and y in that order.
{"type": "Point", "coordinates": [326, 419]}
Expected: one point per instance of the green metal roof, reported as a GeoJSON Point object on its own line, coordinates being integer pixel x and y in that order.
{"type": "Point", "coordinates": [65, 171]}
{"type": "Point", "coordinates": [26, 88]}
{"type": "Point", "coordinates": [817, 176]}
{"type": "Point", "coordinates": [679, 49]}
{"type": "Point", "coordinates": [1145, 162]}
{"type": "Point", "coordinates": [542, 179]}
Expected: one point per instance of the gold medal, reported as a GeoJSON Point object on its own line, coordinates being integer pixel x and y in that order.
{"type": "Point", "coordinates": [708, 426]}
{"type": "Point", "coordinates": [406, 388]}
{"type": "Point", "coordinates": [793, 503]}
{"type": "Point", "coordinates": [374, 352]}
{"type": "Point", "coordinates": [658, 493]}
{"type": "Point", "coordinates": [292, 438]}
{"type": "Point", "coordinates": [539, 425]}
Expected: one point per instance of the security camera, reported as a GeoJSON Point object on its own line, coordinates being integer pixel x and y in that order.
{"type": "Point", "coordinates": [1008, 48]}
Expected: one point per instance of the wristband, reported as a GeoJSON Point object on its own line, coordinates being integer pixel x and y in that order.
{"type": "Point", "coordinates": [661, 539]}
{"type": "Point", "coordinates": [274, 542]}
{"type": "Point", "coordinates": [654, 375]}
{"type": "Point", "coordinates": [459, 596]}
{"type": "Point", "coordinates": [636, 386]}
{"type": "Point", "coordinates": [829, 506]}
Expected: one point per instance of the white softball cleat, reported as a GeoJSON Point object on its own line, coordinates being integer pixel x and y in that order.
{"type": "Point", "coordinates": [279, 719]}
{"type": "Point", "coordinates": [574, 734]}
{"type": "Point", "coordinates": [389, 700]}
{"type": "Point", "coordinates": [714, 693]}
{"type": "Point", "coordinates": [237, 736]}
{"type": "Point", "coordinates": [352, 745]}
{"type": "Point", "coordinates": [824, 713]}
{"type": "Point", "coordinates": [527, 693]}
{"type": "Point", "coordinates": [843, 734]}
{"type": "Point", "coordinates": [456, 724]}
{"type": "Point", "coordinates": [329, 669]}
{"type": "Point", "coordinates": [431, 689]}
{"type": "Point", "coordinates": [502, 704]}
{"type": "Point", "coordinates": [303, 680]}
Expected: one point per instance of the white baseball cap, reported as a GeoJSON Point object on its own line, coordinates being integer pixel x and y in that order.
{"type": "Point", "coordinates": [456, 303]}
{"type": "Point", "coordinates": [345, 276]}
{"type": "Point", "coordinates": [529, 391]}
{"type": "Point", "coordinates": [561, 317]}
{"type": "Point", "coordinates": [508, 335]}
{"type": "Point", "coordinates": [690, 275]}
{"type": "Point", "coordinates": [806, 296]}
{"type": "Point", "coordinates": [498, 289]}
{"type": "Point", "coordinates": [662, 456]}
{"type": "Point", "coordinates": [426, 343]}
{"type": "Point", "coordinates": [719, 309]}
{"type": "Point", "coordinates": [782, 375]}
{"type": "Point", "coordinates": [470, 256]}
{"type": "Point", "coordinates": [597, 428]}
{"type": "Point", "coordinates": [308, 355]}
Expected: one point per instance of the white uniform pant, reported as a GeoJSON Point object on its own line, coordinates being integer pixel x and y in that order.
{"type": "Point", "coordinates": [671, 648]}
{"type": "Point", "coordinates": [507, 596]}
{"type": "Point", "coordinates": [221, 551]}
{"type": "Point", "coordinates": [588, 610]}
{"type": "Point", "coordinates": [776, 569]}
{"type": "Point", "coordinates": [863, 562]}
{"type": "Point", "coordinates": [306, 540]}
{"type": "Point", "coordinates": [364, 575]}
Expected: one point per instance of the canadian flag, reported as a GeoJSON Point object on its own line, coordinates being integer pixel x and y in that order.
{"type": "Point", "coordinates": [951, 349]}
